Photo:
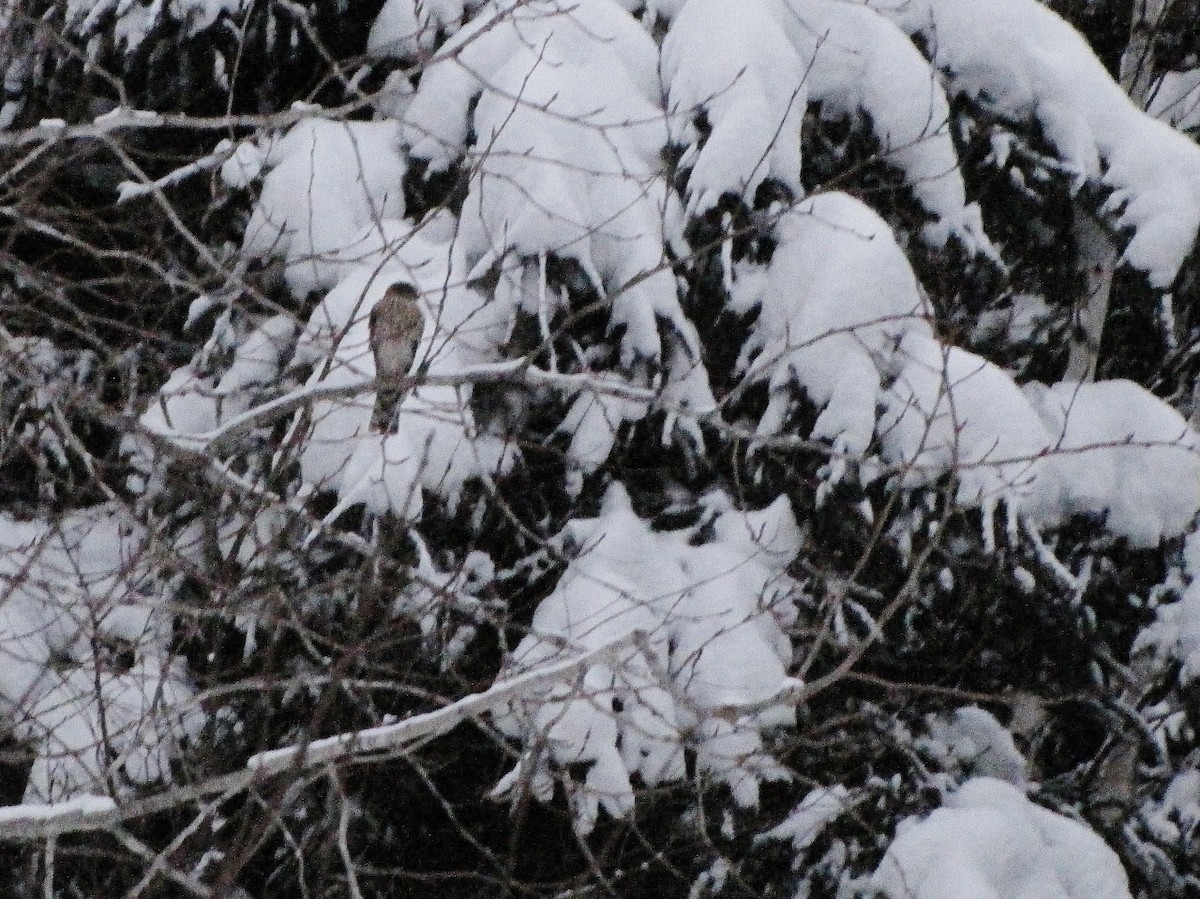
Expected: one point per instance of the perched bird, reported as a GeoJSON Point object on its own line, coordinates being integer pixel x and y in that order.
{"type": "Point", "coordinates": [396, 324]}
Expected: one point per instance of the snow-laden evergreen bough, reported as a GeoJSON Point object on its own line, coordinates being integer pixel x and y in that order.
{"type": "Point", "coordinates": [714, 618]}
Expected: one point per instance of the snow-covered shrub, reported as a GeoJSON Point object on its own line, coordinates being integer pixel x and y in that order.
{"type": "Point", "coordinates": [568, 133]}
{"type": "Point", "coordinates": [806, 821]}
{"type": "Point", "coordinates": [748, 82]}
{"type": "Point", "coordinates": [858, 64]}
{"type": "Point", "coordinates": [1176, 817]}
{"type": "Point", "coordinates": [574, 172]}
{"type": "Point", "coordinates": [552, 178]}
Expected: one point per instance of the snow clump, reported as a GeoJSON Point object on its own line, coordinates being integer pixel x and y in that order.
{"type": "Point", "coordinates": [327, 182]}
{"type": "Point", "coordinates": [988, 841]}
{"type": "Point", "coordinates": [1117, 451]}
{"type": "Point", "coordinates": [839, 293]}
{"type": "Point", "coordinates": [714, 618]}
{"type": "Point", "coordinates": [1024, 59]}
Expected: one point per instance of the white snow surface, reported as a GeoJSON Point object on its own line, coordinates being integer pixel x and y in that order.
{"type": "Point", "coordinates": [594, 420]}
{"type": "Point", "coordinates": [409, 28]}
{"type": "Point", "coordinates": [716, 616]}
{"type": "Point", "coordinates": [988, 841]}
{"type": "Point", "coordinates": [572, 168]}
{"type": "Point", "coordinates": [258, 357]}
{"type": "Point", "coordinates": [327, 182]}
{"type": "Point", "coordinates": [197, 400]}
{"type": "Point", "coordinates": [1117, 450]}
{"type": "Point", "coordinates": [436, 122]}
{"type": "Point", "coordinates": [1021, 57]}
{"type": "Point", "coordinates": [1106, 448]}
{"type": "Point", "coordinates": [747, 79]}
{"type": "Point", "coordinates": [752, 74]}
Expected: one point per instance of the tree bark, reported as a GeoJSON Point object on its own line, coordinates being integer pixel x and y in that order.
{"type": "Point", "coordinates": [1098, 252]}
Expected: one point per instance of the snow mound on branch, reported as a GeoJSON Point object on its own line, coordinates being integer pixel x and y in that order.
{"type": "Point", "coordinates": [741, 73]}
{"type": "Point", "coordinates": [715, 619]}
{"type": "Point", "coordinates": [186, 405]}
{"type": "Point", "coordinates": [988, 841]}
{"type": "Point", "coordinates": [858, 62]}
{"type": "Point", "coordinates": [1109, 448]}
{"type": "Point", "coordinates": [328, 181]}
{"type": "Point", "coordinates": [950, 411]}
{"type": "Point", "coordinates": [569, 132]}
{"type": "Point", "coordinates": [1024, 59]}
{"type": "Point", "coordinates": [572, 169]}
{"type": "Point", "coordinates": [752, 74]}
{"type": "Point", "coordinates": [71, 587]}
{"type": "Point", "coordinates": [1119, 451]}
{"type": "Point", "coordinates": [409, 28]}
{"type": "Point", "coordinates": [971, 739]}
{"type": "Point", "coordinates": [336, 341]}
{"type": "Point", "coordinates": [436, 122]}
{"type": "Point", "coordinates": [608, 400]}
{"type": "Point", "coordinates": [839, 292]}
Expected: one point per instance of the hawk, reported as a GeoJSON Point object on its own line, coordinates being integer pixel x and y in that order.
{"type": "Point", "coordinates": [396, 325]}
